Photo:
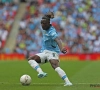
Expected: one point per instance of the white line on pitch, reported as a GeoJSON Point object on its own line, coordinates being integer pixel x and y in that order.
{"type": "Point", "coordinates": [49, 83]}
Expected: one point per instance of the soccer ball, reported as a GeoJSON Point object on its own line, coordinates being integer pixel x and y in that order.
{"type": "Point", "coordinates": [25, 80]}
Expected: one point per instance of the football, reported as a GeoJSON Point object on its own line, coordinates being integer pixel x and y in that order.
{"type": "Point", "coordinates": [25, 80]}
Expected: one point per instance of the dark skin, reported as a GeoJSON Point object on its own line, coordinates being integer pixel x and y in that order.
{"type": "Point", "coordinates": [45, 24]}
{"type": "Point", "coordinates": [54, 63]}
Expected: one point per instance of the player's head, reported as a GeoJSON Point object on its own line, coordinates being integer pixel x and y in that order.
{"type": "Point", "coordinates": [45, 22]}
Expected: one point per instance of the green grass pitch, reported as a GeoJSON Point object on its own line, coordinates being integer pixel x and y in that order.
{"type": "Point", "coordinates": [81, 73]}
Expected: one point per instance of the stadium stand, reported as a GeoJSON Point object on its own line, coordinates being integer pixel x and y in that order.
{"type": "Point", "coordinates": [77, 23]}
{"type": "Point", "coordinates": [8, 12]}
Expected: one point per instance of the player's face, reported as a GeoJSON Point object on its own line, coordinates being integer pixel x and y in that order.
{"type": "Point", "coordinates": [45, 24]}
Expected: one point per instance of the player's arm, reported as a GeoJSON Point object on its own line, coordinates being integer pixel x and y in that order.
{"type": "Point", "coordinates": [59, 42]}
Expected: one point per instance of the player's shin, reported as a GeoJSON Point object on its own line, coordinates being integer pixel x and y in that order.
{"type": "Point", "coordinates": [35, 65]}
{"type": "Point", "coordinates": [62, 74]}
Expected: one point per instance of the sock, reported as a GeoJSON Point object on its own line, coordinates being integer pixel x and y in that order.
{"type": "Point", "coordinates": [62, 74]}
{"type": "Point", "coordinates": [35, 65]}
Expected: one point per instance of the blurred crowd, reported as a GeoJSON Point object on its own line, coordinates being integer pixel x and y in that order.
{"type": "Point", "coordinates": [8, 11]}
{"type": "Point", "coordinates": [76, 21]}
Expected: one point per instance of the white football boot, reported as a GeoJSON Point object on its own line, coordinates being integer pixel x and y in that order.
{"type": "Point", "coordinates": [68, 84]}
{"type": "Point", "coordinates": [41, 75]}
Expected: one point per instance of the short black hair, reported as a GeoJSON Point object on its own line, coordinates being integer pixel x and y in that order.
{"type": "Point", "coordinates": [48, 16]}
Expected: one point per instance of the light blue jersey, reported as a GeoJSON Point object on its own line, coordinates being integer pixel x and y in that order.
{"type": "Point", "coordinates": [48, 42]}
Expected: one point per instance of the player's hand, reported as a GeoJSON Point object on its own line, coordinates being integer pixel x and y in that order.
{"type": "Point", "coordinates": [64, 50]}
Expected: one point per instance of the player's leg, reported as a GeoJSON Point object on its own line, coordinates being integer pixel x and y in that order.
{"type": "Point", "coordinates": [55, 64]}
{"type": "Point", "coordinates": [34, 62]}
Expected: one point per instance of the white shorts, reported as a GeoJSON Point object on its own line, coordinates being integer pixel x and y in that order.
{"type": "Point", "coordinates": [47, 55]}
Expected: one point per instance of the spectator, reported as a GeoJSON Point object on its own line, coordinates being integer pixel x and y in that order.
{"type": "Point", "coordinates": [7, 14]}
{"type": "Point", "coordinates": [77, 22]}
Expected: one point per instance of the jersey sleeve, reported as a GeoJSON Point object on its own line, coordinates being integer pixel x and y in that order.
{"type": "Point", "coordinates": [53, 34]}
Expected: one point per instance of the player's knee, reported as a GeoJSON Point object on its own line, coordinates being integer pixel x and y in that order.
{"type": "Point", "coordinates": [54, 63]}
{"type": "Point", "coordinates": [36, 58]}
{"type": "Point", "coordinates": [31, 58]}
